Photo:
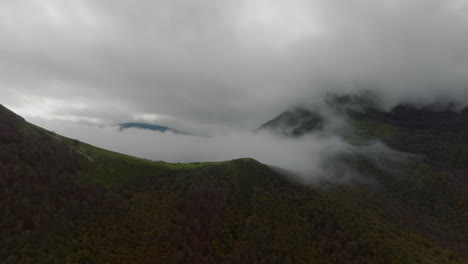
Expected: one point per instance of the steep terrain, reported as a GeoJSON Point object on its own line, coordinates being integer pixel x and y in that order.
{"type": "Point", "coordinates": [294, 122]}
{"type": "Point", "coordinates": [65, 201]}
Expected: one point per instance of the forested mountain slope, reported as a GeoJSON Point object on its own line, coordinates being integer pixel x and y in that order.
{"type": "Point", "coordinates": [65, 201]}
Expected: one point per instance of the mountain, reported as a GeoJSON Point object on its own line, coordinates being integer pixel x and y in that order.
{"type": "Point", "coordinates": [149, 127]}
{"type": "Point", "coordinates": [294, 122]}
{"type": "Point", "coordinates": [64, 201]}
{"type": "Point", "coordinates": [300, 120]}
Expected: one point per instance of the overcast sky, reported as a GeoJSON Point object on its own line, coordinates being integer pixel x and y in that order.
{"type": "Point", "coordinates": [221, 64]}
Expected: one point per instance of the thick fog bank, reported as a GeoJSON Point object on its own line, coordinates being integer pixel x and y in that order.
{"type": "Point", "coordinates": [310, 157]}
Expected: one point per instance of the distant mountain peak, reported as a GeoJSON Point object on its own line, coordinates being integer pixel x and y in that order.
{"type": "Point", "coordinates": [147, 126]}
{"type": "Point", "coordinates": [296, 122]}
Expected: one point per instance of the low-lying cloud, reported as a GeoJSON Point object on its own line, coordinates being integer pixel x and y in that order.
{"type": "Point", "coordinates": [305, 155]}
{"type": "Point", "coordinates": [310, 158]}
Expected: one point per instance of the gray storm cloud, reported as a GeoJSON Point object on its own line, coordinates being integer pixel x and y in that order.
{"type": "Point", "coordinates": [221, 64]}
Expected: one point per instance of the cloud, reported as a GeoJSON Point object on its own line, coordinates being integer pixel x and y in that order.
{"type": "Point", "coordinates": [304, 156]}
{"type": "Point", "coordinates": [222, 65]}
{"type": "Point", "coordinates": [309, 159]}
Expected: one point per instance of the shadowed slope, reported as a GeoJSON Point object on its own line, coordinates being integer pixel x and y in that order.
{"type": "Point", "coordinates": [68, 202]}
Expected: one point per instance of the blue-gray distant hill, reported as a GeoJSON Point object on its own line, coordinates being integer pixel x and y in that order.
{"type": "Point", "coordinates": [149, 127]}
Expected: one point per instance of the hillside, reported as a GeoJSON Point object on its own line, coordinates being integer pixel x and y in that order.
{"type": "Point", "coordinates": [65, 201]}
{"type": "Point", "coordinates": [294, 122]}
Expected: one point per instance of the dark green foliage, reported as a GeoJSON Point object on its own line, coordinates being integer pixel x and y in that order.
{"type": "Point", "coordinates": [432, 186]}
{"type": "Point", "coordinates": [68, 202]}
{"type": "Point", "coordinates": [38, 195]}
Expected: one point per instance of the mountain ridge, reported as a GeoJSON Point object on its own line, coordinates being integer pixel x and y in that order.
{"type": "Point", "coordinates": [147, 126]}
{"type": "Point", "coordinates": [294, 122]}
{"type": "Point", "coordinates": [66, 201]}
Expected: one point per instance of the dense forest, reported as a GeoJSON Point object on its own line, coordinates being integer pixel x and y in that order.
{"type": "Point", "coordinates": [64, 201]}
